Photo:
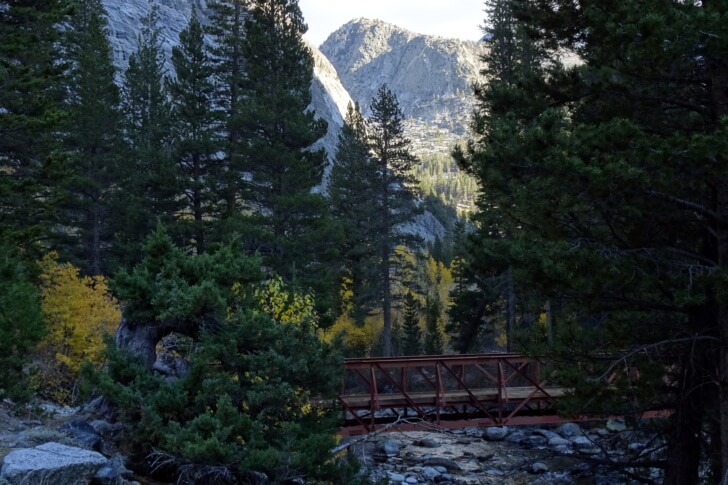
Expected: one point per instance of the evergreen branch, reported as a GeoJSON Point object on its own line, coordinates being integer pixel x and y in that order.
{"type": "Point", "coordinates": [646, 348]}
{"type": "Point", "coordinates": [687, 204]}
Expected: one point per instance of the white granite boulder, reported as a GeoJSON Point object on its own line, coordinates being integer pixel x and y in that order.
{"type": "Point", "coordinates": [51, 463]}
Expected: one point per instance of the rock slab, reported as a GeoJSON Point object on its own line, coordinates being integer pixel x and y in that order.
{"type": "Point", "coordinates": [51, 463]}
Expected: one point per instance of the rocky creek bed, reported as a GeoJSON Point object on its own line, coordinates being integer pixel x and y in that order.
{"type": "Point", "coordinates": [63, 446]}
{"type": "Point", "coordinates": [565, 454]}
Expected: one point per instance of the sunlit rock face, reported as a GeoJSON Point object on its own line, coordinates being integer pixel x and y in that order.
{"type": "Point", "coordinates": [328, 97]}
{"type": "Point", "coordinates": [431, 76]}
{"type": "Point", "coordinates": [439, 103]}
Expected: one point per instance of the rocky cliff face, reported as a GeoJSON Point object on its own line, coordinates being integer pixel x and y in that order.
{"type": "Point", "coordinates": [329, 95]}
{"type": "Point", "coordinates": [431, 76]}
{"type": "Point", "coordinates": [329, 98]}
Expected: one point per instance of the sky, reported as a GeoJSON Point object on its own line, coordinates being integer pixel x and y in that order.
{"type": "Point", "coordinates": [448, 18]}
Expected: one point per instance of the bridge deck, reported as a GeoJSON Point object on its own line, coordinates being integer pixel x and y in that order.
{"type": "Point", "coordinates": [452, 398]}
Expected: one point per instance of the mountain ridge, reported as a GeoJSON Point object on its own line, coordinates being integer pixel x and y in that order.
{"type": "Point", "coordinates": [432, 76]}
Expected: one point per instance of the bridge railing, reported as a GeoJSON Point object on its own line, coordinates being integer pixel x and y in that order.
{"type": "Point", "coordinates": [449, 390]}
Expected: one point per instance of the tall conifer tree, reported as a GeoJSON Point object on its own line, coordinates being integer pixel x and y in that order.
{"type": "Point", "coordinates": [353, 184]}
{"type": "Point", "coordinates": [614, 172]}
{"type": "Point", "coordinates": [196, 140]}
{"type": "Point", "coordinates": [227, 30]}
{"type": "Point", "coordinates": [279, 129]}
{"type": "Point", "coordinates": [150, 185]}
{"type": "Point", "coordinates": [94, 140]}
{"type": "Point", "coordinates": [412, 333]}
{"type": "Point", "coordinates": [392, 152]}
{"type": "Point", "coordinates": [31, 112]}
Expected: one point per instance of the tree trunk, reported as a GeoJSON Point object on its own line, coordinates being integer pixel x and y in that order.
{"type": "Point", "coordinates": [684, 446]}
{"type": "Point", "coordinates": [387, 309]}
{"type": "Point", "coordinates": [718, 72]}
{"type": "Point", "coordinates": [510, 310]}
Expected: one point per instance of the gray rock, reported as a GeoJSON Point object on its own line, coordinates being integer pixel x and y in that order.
{"type": "Point", "coordinates": [539, 468]}
{"type": "Point", "coordinates": [390, 447]}
{"type": "Point", "coordinates": [113, 472]}
{"type": "Point", "coordinates": [534, 441]}
{"type": "Point", "coordinates": [411, 480]}
{"type": "Point", "coordinates": [545, 433]}
{"type": "Point", "coordinates": [105, 428]}
{"type": "Point", "coordinates": [37, 436]}
{"type": "Point", "coordinates": [447, 463]}
{"type": "Point", "coordinates": [569, 430]}
{"type": "Point", "coordinates": [582, 443]}
{"type": "Point", "coordinates": [496, 433]}
{"type": "Point", "coordinates": [396, 477]}
{"type": "Point", "coordinates": [585, 446]}
{"type": "Point", "coordinates": [616, 425]}
{"type": "Point", "coordinates": [515, 437]}
{"type": "Point", "coordinates": [441, 469]}
{"type": "Point", "coordinates": [636, 446]}
{"type": "Point", "coordinates": [557, 441]}
{"type": "Point", "coordinates": [601, 432]}
{"type": "Point", "coordinates": [51, 463]}
{"type": "Point", "coordinates": [590, 451]}
{"type": "Point", "coordinates": [430, 473]}
{"type": "Point", "coordinates": [427, 443]}
{"type": "Point", "coordinates": [83, 434]}
{"type": "Point", "coordinates": [564, 450]}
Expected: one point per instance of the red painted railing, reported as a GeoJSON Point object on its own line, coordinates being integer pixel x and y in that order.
{"type": "Point", "coordinates": [448, 390]}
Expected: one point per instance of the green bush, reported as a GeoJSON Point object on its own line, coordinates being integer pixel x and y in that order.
{"type": "Point", "coordinates": [244, 406]}
{"type": "Point", "coordinates": [21, 323]}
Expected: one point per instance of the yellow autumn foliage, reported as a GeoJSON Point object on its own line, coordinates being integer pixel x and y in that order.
{"type": "Point", "coordinates": [79, 311]}
{"type": "Point", "coordinates": [358, 340]}
{"type": "Point", "coordinates": [285, 305]}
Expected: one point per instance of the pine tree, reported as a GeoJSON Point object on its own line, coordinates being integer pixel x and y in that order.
{"type": "Point", "coordinates": [93, 142]}
{"type": "Point", "coordinates": [196, 140]}
{"type": "Point", "coordinates": [31, 113]}
{"type": "Point", "coordinates": [150, 185]}
{"type": "Point", "coordinates": [298, 239]}
{"type": "Point", "coordinates": [612, 168]}
{"type": "Point", "coordinates": [354, 181]}
{"type": "Point", "coordinates": [412, 334]}
{"type": "Point", "coordinates": [512, 58]}
{"type": "Point", "coordinates": [244, 407]}
{"type": "Point", "coordinates": [279, 129]}
{"type": "Point", "coordinates": [394, 196]}
{"type": "Point", "coordinates": [21, 322]}
{"type": "Point", "coordinates": [434, 341]}
{"type": "Point", "coordinates": [227, 30]}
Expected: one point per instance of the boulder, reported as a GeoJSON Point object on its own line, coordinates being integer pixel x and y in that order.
{"type": "Point", "coordinates": [396, 477]}
{"type": "Point", "coordinates": [82, 434]}
{"type": "Point", "coordinates": [430, 473]}
{"type": "Point", "coordinates": [427, 443]}
{"type": "Point", "coordinates": [113, 472]}
{"type": "Point", "coordinates": [616, 425]}
{"type": "Point", "coordinates": [447, 463]}
{"type": "Point", "coordinates": [585, 446]}
{"type": "Point", "coordinates": [390, 447]}
{"type": "Point", "coordinates": [105, 428]}
{"type": "Point", "coordinates": [52, 463]}
{"type": "Point", "coordinates": [569, 430]}
{"type": "Point", "coordinates": [558, 441]}
{"type": "Point", "coordinates": [496, 433]}
{"type": "Point", "coordinates": [545, 433]}
{"type": "Point", "coordinates": [539, 468]}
